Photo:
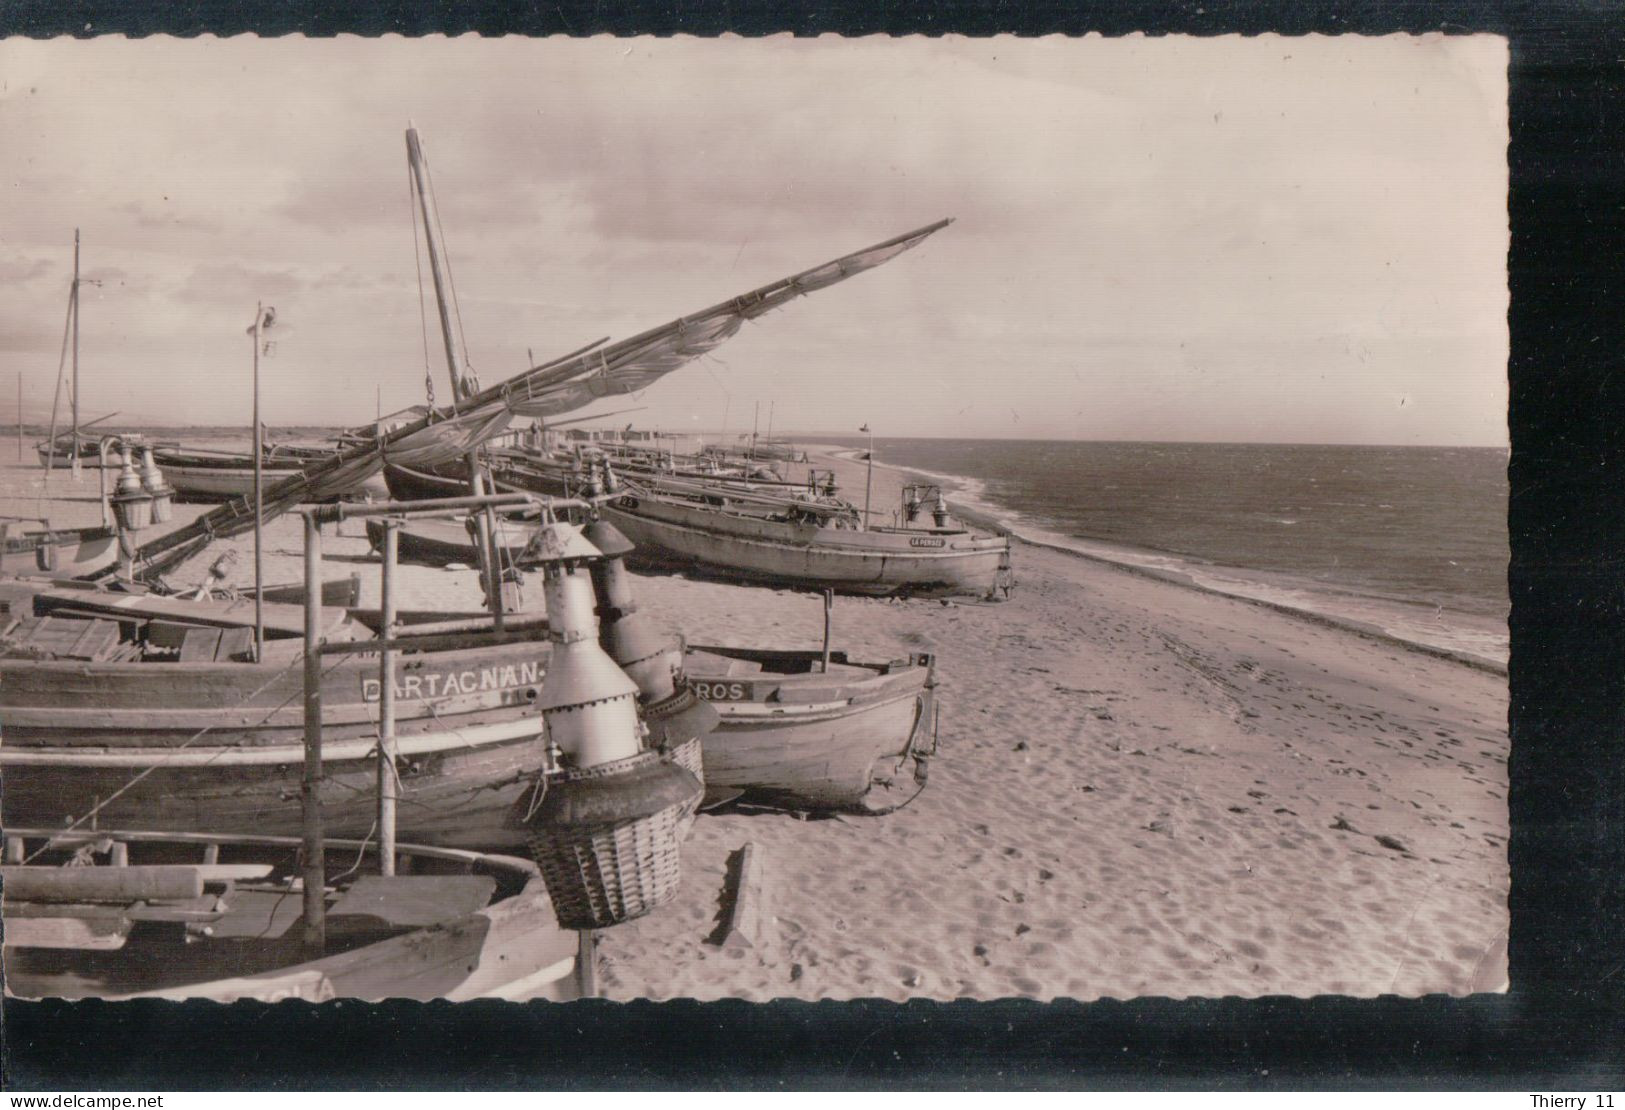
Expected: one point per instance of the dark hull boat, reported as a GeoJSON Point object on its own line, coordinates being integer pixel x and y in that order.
{"type": "Point", "coordinates": [795, 733]}
{"type": "Point", "coordinates": [218, 917]}
{"type": "Point", "coordinates": [509, 473]}
{"type": "Point", "coordinates": [148, 712]}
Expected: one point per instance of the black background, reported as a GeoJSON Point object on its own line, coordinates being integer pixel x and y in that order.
{"type": "Point", "coordinates": [1559, 1028]}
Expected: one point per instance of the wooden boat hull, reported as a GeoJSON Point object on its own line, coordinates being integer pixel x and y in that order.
{"type": "Point", "coordinates": [512, 948]}
{"type": "Point", "coordinates": [226, 476]}
{"type": "Point", "coordinates": [875, 563]}
{"type": "Point", "coordinates": [215, 747]}
{"type": "Point", "coordinates": [204, 481]}
{"type": "Point", "coordinates": [439, 542]}
{"type": "Point", "coordinates": [409, 484]}
{"type": "Point", "coordinates": [793, 734]}
{"type": "Point", "coordinates": [64, 459]}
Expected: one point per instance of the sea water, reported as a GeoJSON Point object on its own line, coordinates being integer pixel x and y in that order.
{"type": "Point", "coordinates": [1412, 540]}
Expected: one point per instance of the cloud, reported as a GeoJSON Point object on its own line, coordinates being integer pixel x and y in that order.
{"type": "Point", "coordinates": [1151, 211]}
{"type": "Point", "coordinates": [232, 282]}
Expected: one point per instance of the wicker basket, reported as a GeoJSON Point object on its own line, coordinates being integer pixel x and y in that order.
{"type": "Point", "coordinates": [608, 838]}
{"type": "Point", "coordinates": [689, 756]}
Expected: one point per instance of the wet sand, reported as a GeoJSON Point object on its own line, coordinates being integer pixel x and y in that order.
{"type": "Point", "coordinates": [1142, 789]}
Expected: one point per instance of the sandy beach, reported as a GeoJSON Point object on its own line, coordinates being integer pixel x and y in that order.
{"type": "Point", "coordinates": [1141, 789]}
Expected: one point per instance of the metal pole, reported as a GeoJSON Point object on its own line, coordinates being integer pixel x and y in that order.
{"type": "Point", "coordinates": [869, 478]}
{"type": "Point", "coordinates": [829, 606]}
{"type": "Point", "coordinates": [19, 416]}
{"type": "Point", "coordinates": [74, 466]}
{"type": "Point", "coordinates": [490, 556]}
{"type": "Point", "coordinates": [259, 505]}
{"type": "Point", "coordinates": [386, 705]}
{"type": "Point", "coordinates": [314, 871]}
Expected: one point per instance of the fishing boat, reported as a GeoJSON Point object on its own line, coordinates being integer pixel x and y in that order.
{"type": "Point", "coordinates": [800, 540]}
{"type": "Point", "coordinates": [199, 474]}
{"type": "Point", "coordinates": [69, 448]}
{"type": "Point", "coordinates": [510, 471]}
{"type": "Point", "coordinates": [812, 732]}
{"type": "Point", "coordinates": [443, 542]}
{"type": "Point", "coordinates": [66, 551]}
{"type": "Point", "coordinates": [159, 712]}
{"type": "Point", "coordinates": [72, 447]}
{"type": "Point", "coordinates": [151, 915]}
{"type": "Point", "coordinates": [140, 710]}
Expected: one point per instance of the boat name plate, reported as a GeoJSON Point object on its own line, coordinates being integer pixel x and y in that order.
{"type": "Point", "coordinates": [722, 691]}
{"type": "Point", "coordinates": [505, 676]}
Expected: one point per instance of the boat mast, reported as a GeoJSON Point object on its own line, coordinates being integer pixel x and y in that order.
{"type": "Point", "coordinates": [462, 385]}
{"type": "Point", "coordinates": [73, 390]}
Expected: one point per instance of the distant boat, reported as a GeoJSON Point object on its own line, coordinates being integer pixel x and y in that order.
{"type": "Point", "coordinates": [778, 449]}
{"type": "Point", "coordinates": [69, 447]}
{"type": "Point", "coordinates": [802, 541]}
{"type": "Point", "coordinates": [72, 447]}
{"type": "Point", "coordinates": [794, 733]}
{"type": "Point", "coordinates": [198, 474]}
{"type": "Point", "coordinates": [218, 917]}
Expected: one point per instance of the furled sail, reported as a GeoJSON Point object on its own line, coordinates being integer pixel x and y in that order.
{"type": "Point", "coordinates": [546, 390]}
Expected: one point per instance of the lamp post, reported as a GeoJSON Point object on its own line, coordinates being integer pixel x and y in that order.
{"type": "Point", "coordinates": [869, 478]}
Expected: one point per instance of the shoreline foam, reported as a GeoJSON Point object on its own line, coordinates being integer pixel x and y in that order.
{"type": "Point", "coordinates": [1390, 621]}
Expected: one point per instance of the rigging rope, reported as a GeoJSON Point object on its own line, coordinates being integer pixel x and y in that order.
{"type": "Point", "coordinates": [159, 763]}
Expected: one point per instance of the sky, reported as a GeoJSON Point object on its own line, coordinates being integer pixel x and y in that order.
{"type": "Point", "coordinates": [1208, 239]}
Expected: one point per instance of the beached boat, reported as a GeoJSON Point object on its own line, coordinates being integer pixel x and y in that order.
{"type": "Point", "coordinates": [804, 541]}
{"type": "Point", "coordinates": [47, 550]}
{"type": "Point", "coordinates": [72, 447]}
{"type": "Point", "coordinates": [510, 472]}
{"type": "Point", "coordinates": [150, 712]}
{"type": "Point", "coordinates": [795, 732]}
{"type": "Point", "coordinates": [203, 475]}
{"type": "Point", "coordinates": [69, 448]}
{"type": "Point", "coordinates": [439, 542]}
{"type": "Point", "coordinates": [218, 917]}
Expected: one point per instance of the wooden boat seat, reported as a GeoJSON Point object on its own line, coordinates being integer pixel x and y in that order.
{"type": "Point", "coordinates": [413, 901]}
{"type": "Point", "coordinates": [63, 638]}
{"type": "Point", "coordinates": [281, 620]}
{"type": "Point", "coordinates": [192, 644]}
